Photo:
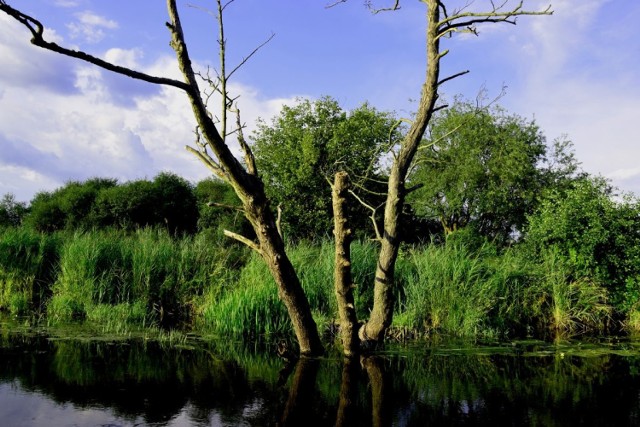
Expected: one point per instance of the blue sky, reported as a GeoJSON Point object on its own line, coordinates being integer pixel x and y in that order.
{"type": "Point", "coordinates": [576, 72]}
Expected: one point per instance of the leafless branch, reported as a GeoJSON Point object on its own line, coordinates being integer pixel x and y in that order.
{"type": "Point", "coordinates": [455, 76]}
{"type": "Point", "coordinates": [208, 161]}
{"type": "Point", "coordinates": [249, 158]}
{"type": "Point", "coordinates": [335, 3]}
{"type": "Point", "coordinates": [37, 32]}
{"type": "Point", "coordinates": [253, 52]}
{"type": "Point", "coordinates": [279, 221]}
{"type": "Point", "coordinates": [250, 243]}
{"type": "Point", "coordinates": [369, 4]}
{"type": "Point", "coordinates": [468, 20]}
{"type": "Point", "coordinates": [373, 214]}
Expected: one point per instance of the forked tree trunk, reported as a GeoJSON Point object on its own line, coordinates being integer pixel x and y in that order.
{"type": "Point", "coordinates": [342, 272]}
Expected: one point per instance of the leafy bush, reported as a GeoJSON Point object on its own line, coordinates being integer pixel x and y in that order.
{"type": "Point", "coordinates": [596, 236]}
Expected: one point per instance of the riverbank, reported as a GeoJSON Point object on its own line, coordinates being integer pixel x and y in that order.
{"type": "Point", "coordinates": [147, 278]}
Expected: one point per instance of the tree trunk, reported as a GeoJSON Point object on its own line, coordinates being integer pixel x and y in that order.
{"type": "Point", "coordinates": [342, 273]}
{"type": "Point", "coordinates": [272, 250]}
{"type": "Point", "coordinates": [382, 312]}
{"type": "Point", "coordinates": [250, 191]}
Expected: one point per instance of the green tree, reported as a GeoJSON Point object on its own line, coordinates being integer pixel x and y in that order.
{"type": "Point", "coordinates": [301, 149]}
{"type": "Point", "coordinates": [177, 208]}
{"type": "Point", "coordinates": [482, 168]}
{"type": "Point", "coordinates": [168, 201]}
{"type": "Point", "coordinates": [596, 234]}
{"type": "Point", "coordinates": [68, 207]}
{"type": "Point", "coordinates": [12, 212]}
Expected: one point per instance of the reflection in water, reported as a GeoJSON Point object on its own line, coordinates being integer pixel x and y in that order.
{"type": "Point", "coordinates": [64, 382]}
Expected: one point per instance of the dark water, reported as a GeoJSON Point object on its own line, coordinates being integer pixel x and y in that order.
{"type": "Point", "coordinates": [67, 382]}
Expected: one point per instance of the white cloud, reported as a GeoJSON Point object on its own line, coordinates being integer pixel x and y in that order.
{"type": "Point", "coordinates": [579, 79]}
{"type": "Point", "coordinates": [90, 27]}
{"type": "Point", "coordinates": [48, 137]}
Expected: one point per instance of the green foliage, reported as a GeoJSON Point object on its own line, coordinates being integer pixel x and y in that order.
{"type": "Point", "coordinates": [304, 146]}
{"type": "Point", "coordinates": [451, 291]}
{"type": "Point", "coordinates": [69, 207]}
{"type": "Point", "coordinates": [12, 212]}
{"type": "Point", "coordinates": [28, 263]}
{"type": "Point", "coordinates": [484, 168]}
{"type": "Point", "coordinates": [569, 305]}
{"type": "Point", "coordinates": [469, 292]}
{"type": "Point", "coordinates": [168, 277]}
{"type": "Point", "coordinates": [219, 210]}
{"type": "Point", "coordinates": [595, 235]}
{"type": "Point", "coordinates": [167, 201]}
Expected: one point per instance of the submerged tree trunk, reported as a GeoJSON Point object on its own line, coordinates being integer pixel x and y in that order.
{"type": "Point", "coordinates": [342, 273]}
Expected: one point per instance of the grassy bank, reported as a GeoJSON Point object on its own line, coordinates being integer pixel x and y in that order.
{"type": "Point", "coordinates": [122, 280]}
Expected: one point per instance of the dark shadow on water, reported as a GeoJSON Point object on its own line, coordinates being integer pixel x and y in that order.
{"type": "Point", "coordinates": [54, 381]}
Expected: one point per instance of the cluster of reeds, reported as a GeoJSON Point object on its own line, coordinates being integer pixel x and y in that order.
{"type": "Point", "coordinates": [149, 278]}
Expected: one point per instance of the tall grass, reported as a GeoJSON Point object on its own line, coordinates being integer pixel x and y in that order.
{"type": "Point", "coordinates": [570, 304]}
{"type": "Point", "coordinates": [141, 278]}
{"type": "Point", "coordinates": [28, 262]}
{"type": "Point", "coordinates": [148, 278]}
{"type": "Point", "coordinates": [471, 293]}
{"type": "Point", "coordinates": [252, 307]}
{"type": "Point", "coordinates": [451, 290]}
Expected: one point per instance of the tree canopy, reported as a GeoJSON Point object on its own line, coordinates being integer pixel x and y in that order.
{"type": "Point", "coordinates": [299, 151]}
{"type": "Point", "coordinates": [485, 168]}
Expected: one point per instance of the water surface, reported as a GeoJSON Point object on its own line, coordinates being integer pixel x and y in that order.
{"type": "Point", "coordinates": [48, 381]}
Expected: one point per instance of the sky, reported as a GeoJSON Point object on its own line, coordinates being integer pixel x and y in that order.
{"type": "Point", "coordinates": [576, 73]}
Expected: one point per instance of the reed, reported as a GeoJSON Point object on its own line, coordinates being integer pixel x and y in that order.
{"type": "Point", "coordinates": [28, 264]}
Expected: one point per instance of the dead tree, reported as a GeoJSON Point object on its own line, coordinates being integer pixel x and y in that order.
{"type": "Point", "coordinates": [441, 23]}
{"type": "Point", "coordinates": [342, 271]}
{"type": "Point", "coordinates": [211, 147]}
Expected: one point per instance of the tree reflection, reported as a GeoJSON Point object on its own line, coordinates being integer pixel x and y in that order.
{"type": "Point", "coordinates": [230, 383]}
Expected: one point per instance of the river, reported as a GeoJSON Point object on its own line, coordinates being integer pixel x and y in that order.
{"type": "Point", "coordinates": [49, 380]}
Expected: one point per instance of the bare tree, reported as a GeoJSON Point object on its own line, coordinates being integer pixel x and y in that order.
{"type": "Point", "coordinates": [211, 147]}
{"type": "Point", "coordinates": [441, 23]}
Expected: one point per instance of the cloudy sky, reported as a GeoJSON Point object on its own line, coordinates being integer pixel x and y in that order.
{"type": "Point", "coordinates": [576, 73]}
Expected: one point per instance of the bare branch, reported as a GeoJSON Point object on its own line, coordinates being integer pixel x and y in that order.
{"type": "Point", "coordinates": [330, 5]}
{"type": "Point", "coordinates": [208, 161]}
{"type": "Point", "coordinates": [373, 214]}
{"type": "Point", "coordinates": [249, 158]}
{"type": "Point", "coordinates": [279, 221]}
{"type": "Point", "coordinates": [222, 205]}
{"type": "Point", "coordinates": [468, 20]}
{"type": "Point", "coordinates": [250, 243]}
{"type": "Point", "coordinates": [37, 30]}
{"type": "Point", "coordinates": [369, 4]}
{"type": "Point", "coordinates": [455, 76]}
{"type": "Point", "coordinates": [253, 52]}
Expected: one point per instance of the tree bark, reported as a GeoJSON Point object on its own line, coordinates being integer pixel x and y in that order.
{"type": "Point", "coordinates": [342, 272]}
